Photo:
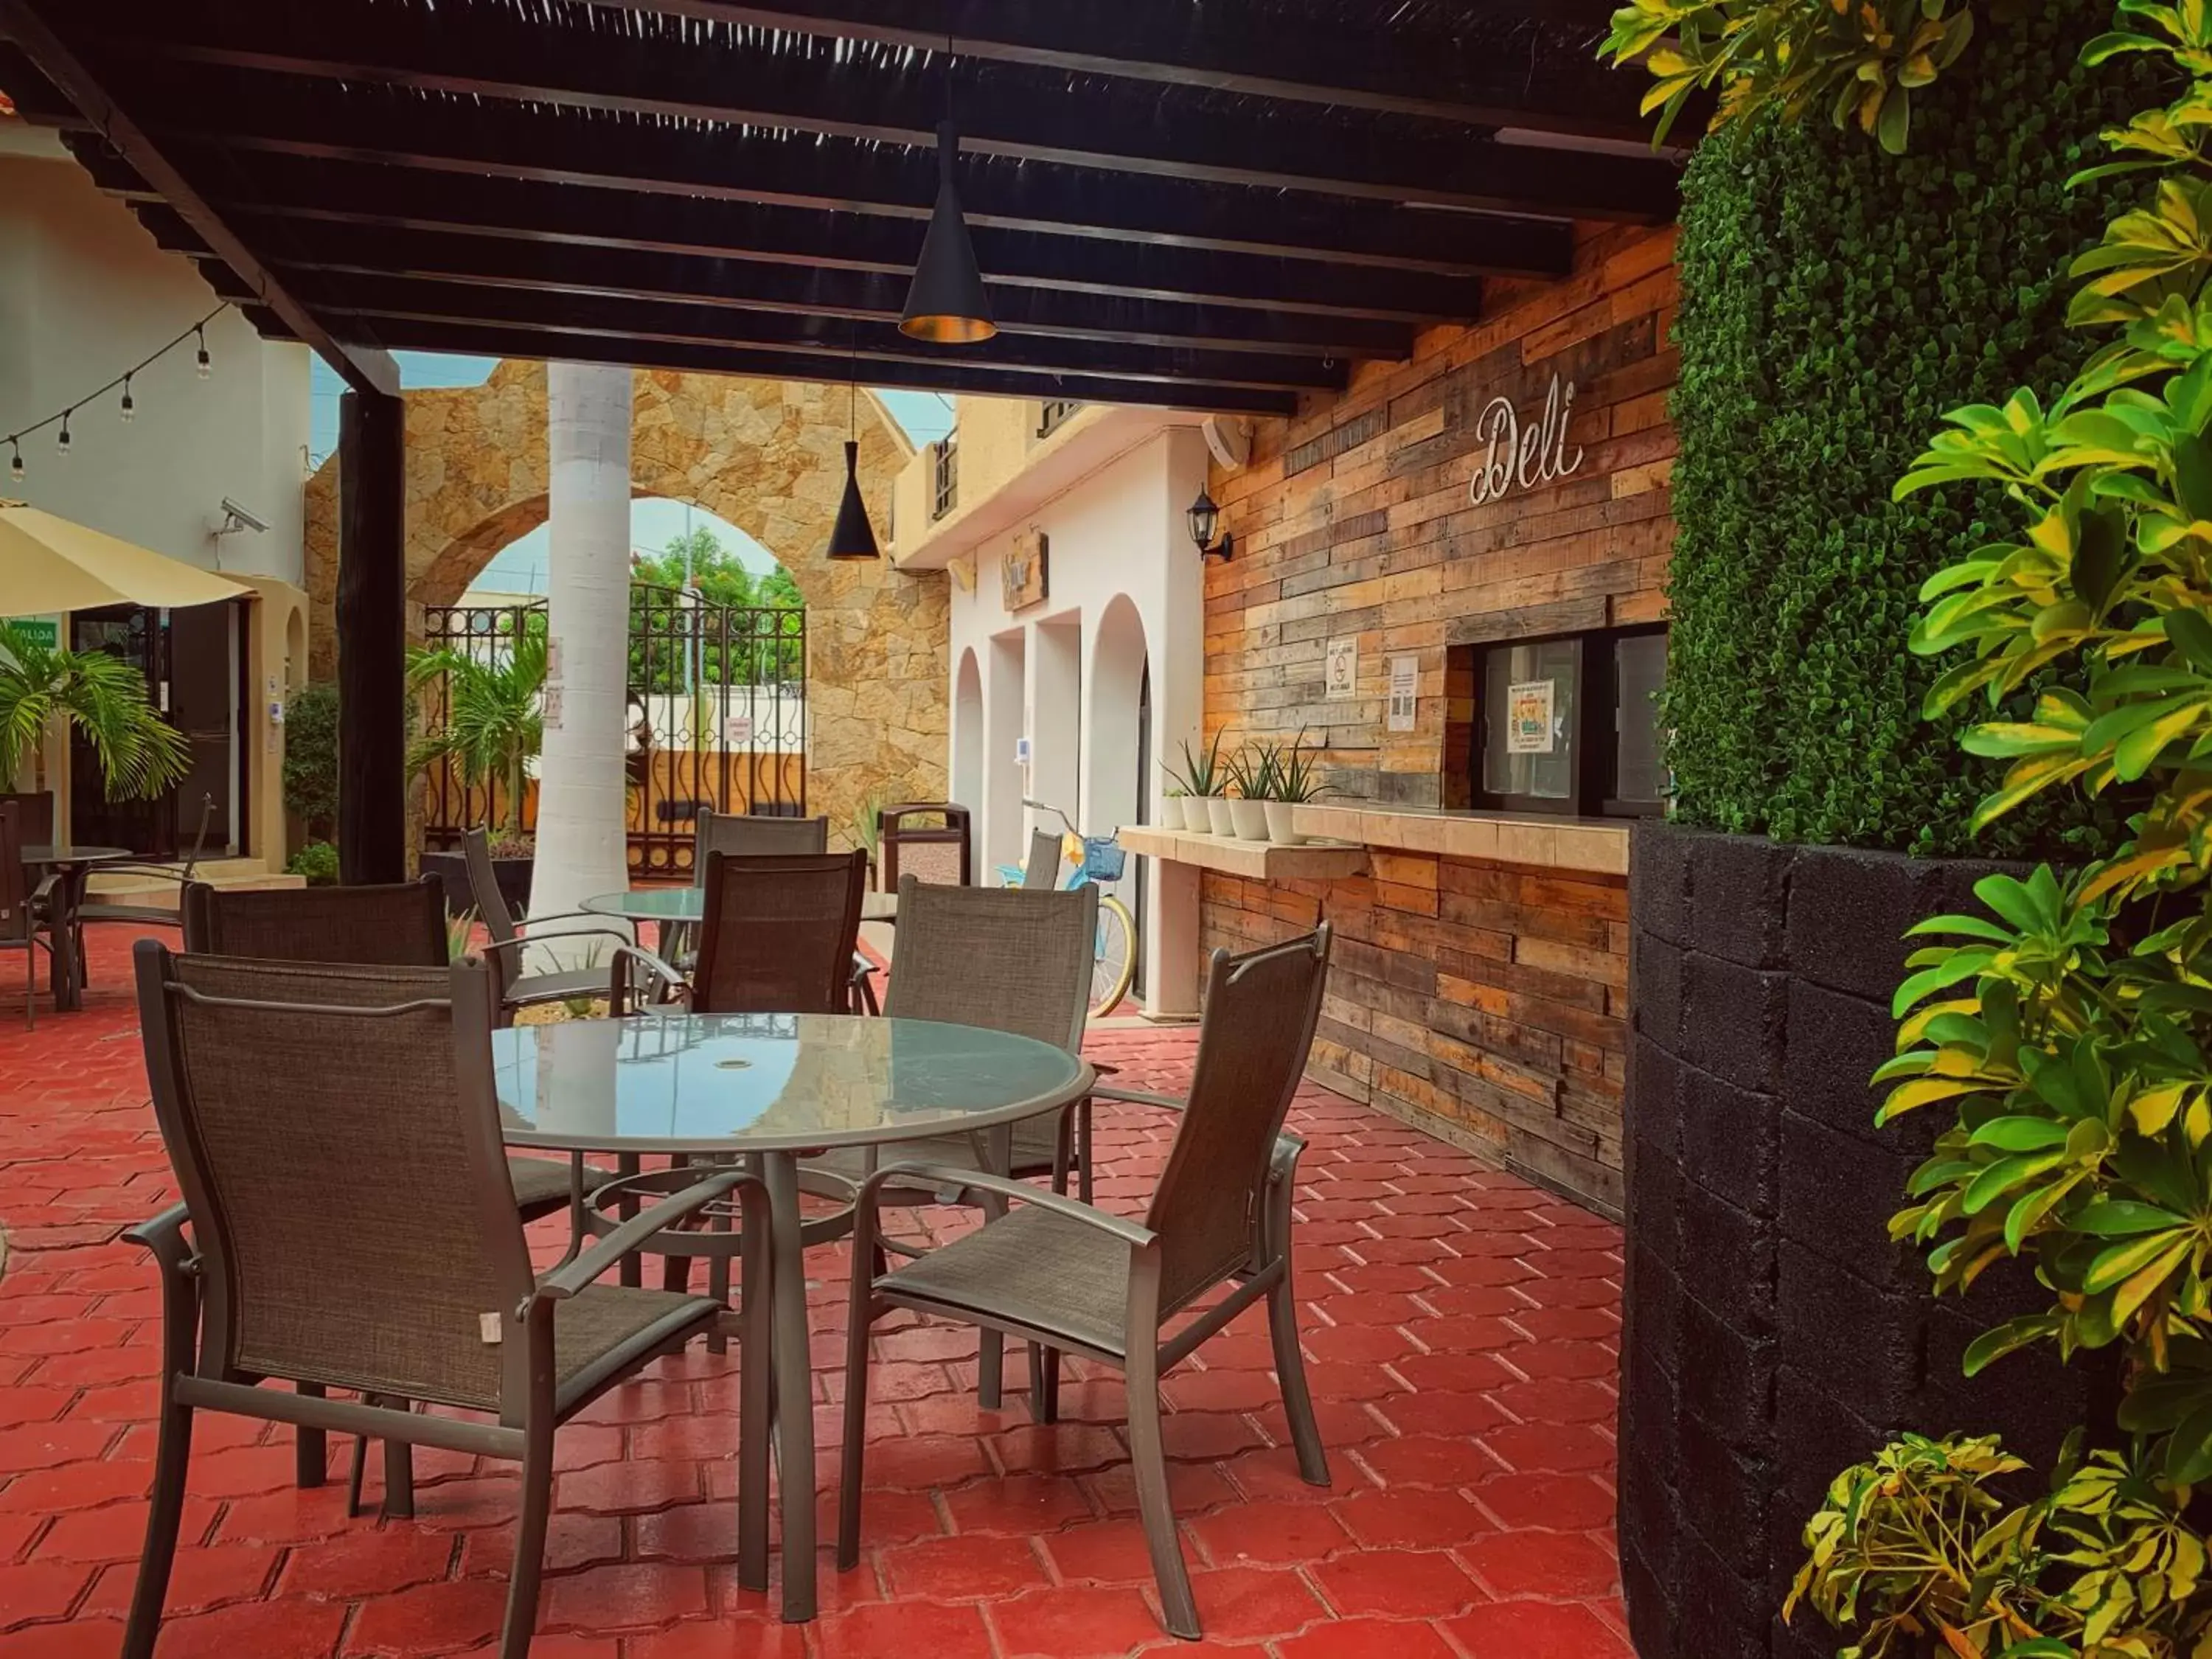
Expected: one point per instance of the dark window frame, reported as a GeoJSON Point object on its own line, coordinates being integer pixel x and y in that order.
{"type": "Point", "coordinates": [1596, 740]}
{"type": "Point", "coordinates": [1053, 412]}
{"type": "Point", "coordinates": [945, 475]}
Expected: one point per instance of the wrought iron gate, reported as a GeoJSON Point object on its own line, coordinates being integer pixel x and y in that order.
{"type": "Point", "coordinates": [716, 718]}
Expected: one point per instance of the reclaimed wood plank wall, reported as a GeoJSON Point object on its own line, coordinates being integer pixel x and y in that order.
{"type": "Point", "coordinates": [1488, 999]}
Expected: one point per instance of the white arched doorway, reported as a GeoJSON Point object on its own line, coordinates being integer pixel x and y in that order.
{"type": "Point", "coordinates": [1118, 787]}
{"type": "Point", "coordinates": [967, 735]}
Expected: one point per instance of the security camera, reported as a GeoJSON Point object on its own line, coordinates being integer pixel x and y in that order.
{"type": "Point", "coordinates": [236, 518]}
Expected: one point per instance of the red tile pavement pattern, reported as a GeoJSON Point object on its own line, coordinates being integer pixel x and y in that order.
{"type": "Point", "coordinates": [1460, 1330]}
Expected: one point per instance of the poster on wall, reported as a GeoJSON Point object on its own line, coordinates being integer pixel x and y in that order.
{"type": "Point", "coordinates": [1025, 575]}
{"type": "Point", "coordinates": [1342, 675]}
{"type": "Point", "coordinates": [1405, 682]}
{"type": "Point", "coordinates": [1529, 717]}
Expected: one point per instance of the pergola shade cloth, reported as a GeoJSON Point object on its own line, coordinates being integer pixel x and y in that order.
{"type": "Point", "coordinates": [49, 564]}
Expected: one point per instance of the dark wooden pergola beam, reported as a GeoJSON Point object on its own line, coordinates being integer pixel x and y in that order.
{"type": "Point", "coordinates": [364, 252]}
{"type": "Point", "coordinates": [831, 345]}
{"type": "Point", "coordinates": [479, 53]}
{"type": "Point", "coordinates": [303, 193]}
{"type": "Point", "coordinates": [361, 363]}
{"type": "Point", "coordinates": [546, 346]}
{"type": "Point", "coordinates": [1535, 68]}
{"type": "Point", "coordinates": [242, 113]}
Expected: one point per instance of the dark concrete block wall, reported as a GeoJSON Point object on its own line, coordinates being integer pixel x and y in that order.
{"type": "Point", "coordinates": [1774, 1334]}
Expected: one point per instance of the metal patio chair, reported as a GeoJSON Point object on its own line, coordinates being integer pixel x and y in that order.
{"type": "Point", "coordinates": [151, 915]}
{"type": "Point", "coordinates": [1004, 959]}
{"type": "Point", "coordinates": [397, 925]}
{"type": "Point", "coordinates": [748, 836]}
{"type": "Point", "coordinates": [359, 1237]}
{"type": "Point", "coordinates": [507, 951]}
{"type": "Point", "coordinates": [778, 937]}
{"type": "Point", "coordinates": [1057, 1271]}
{"type": "Point", "coordinates": [21, 922]}
{"type": "Point", "coordinates": [779, 933]}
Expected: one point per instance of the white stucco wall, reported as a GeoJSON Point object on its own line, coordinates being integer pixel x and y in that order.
{"type": "Point", "coordinates": [1064, 674]}
{"type": "Point", "coordinates": [84, 294]}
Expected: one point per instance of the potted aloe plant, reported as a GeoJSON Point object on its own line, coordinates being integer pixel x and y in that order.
{"type": "Point", "coordinates": [1251, 773]}
{"type": "Point", "coordinates": [1205, 812]}
{"type": "Point", "coordinates": [1296, 781]}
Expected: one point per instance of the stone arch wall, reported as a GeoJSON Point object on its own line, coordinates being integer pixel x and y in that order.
{"type": "Point", "coordinates": [766, 456]}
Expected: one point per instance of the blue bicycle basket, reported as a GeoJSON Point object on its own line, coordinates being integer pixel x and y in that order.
{"type": "Point", "coordinates": [1103, 857]}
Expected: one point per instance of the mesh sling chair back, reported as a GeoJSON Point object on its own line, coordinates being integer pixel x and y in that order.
{"type": "Point", "coordinates": [779, 933]}
{"type": "Point", "coordinates": [1042, 867]}
{"type": "Point", "coordinates": [743, 836]}
{"type": "Point", "coordinates": [409, 1279]}
{"type": "Point", "coordinates": [20, 922]}
{"type": "Point", "coordinates": [399, 925]}
{"type": "Point", "coordinates": [510, 943]}
{"type": "Point", "coordinates": [1075, 1279]}
{"type": "Point", "coordinates": [35, 814]}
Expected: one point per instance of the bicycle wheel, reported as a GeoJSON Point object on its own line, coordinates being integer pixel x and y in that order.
{"type": "Point", "coordinates": [1113, 961]}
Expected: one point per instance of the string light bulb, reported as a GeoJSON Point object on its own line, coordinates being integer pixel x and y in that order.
{"type": "Point", "coordinates": [62, 441]}
{"type": "Point", "coordinates": [130, 407]}
{"type": "Point", "coordinates": [206, 365]}
{"type": "Point", "coordinates": [15, 461]}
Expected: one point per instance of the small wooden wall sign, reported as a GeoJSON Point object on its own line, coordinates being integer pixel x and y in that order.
{"type": "Point", "coordinates": [1025, 574]}
{"type": "Point", "coordinates": [1521, 456]}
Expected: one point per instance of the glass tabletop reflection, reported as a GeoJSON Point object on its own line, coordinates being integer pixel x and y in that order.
{"type": "Point", "coordinates": [688, 904]}
{"type": "Point", "coordinates": [677, 1082]}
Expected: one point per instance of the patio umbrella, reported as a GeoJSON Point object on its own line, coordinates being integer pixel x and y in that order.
{"type": "Point", "coordinates": [49, 564]}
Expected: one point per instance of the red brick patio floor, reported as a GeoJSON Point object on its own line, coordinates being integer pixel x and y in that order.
{"type": "Point", "coordinates": [1459, 1326]}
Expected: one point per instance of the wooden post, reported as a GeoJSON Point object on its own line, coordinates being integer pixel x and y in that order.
{"type": "Point", "coordinates": [372, 625]}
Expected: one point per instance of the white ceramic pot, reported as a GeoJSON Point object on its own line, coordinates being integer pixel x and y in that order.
{"type": "Point", "coordinates": [1280, 816]}
{"type": "Point", "coordinates": [1249, 819]}
{"type": "Point", "coordinates": [1169, 813]}
{"type": "Point", "coordinates": [1218, 821]}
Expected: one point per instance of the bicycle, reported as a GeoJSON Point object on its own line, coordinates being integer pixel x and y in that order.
{"type": "Point", "coordinates": [1097, 860]}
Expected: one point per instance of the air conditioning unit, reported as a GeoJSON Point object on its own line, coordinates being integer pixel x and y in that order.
{"type": "Point", "coordinates": [1228, 440]}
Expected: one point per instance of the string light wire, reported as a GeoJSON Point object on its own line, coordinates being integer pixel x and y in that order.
{"type": "Point", "coordinates": [61, 417]}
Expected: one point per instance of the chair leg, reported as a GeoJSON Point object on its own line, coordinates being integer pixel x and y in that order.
{"type": "Point", "coordinates": [171, 1458]}
{"type": "Point", "coordinates": [1044, 1383]}
{"type": "Point", "coordinates": [354, 1476]}
{"type": "Point", "coordinates": [629, 1272]}
{"type": "Point", "coordinates": [398, 1476]}
{"type": "Point", "coordinates": [310, 1447]}
{"type": "Point", "coordinates": [529, 1540]}
{"type": "Point", "coordinates": [1148, 1459]}
{"type": "Point", "coordinates": [1083, 1137]}
{"type": "Point", "coordinates": [1291, 1370]}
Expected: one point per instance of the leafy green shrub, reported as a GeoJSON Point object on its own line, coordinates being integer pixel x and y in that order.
{"type": "Point", "coordinates": [1836, 300]}
{"type": "Point", "coordinates": [318, 861]}
{"type": "Point", "coordinates": [311, 755]}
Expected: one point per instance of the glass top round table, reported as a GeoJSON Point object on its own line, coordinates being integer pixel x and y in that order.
{"type": "Point", "coordinates": [62, 852]}
{"type": "Point", "coordinates": [688, 904]}
{"type": "Point", "coordinates": [670, 1082]}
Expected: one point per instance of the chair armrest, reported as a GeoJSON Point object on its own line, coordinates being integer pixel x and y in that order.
{"type": "Point", "coordinates": [566, 1281]}
{"type": "Point", "coordinates": [164, 1235]}
{"type": "Point", "coordinates": [945, 1177]}
{"type": "Point", "coordinates": [604, 921]}
{"type": "Point", "coordinates": [1135, 1096]}
{"type": "Point", "coordinates": [623, 948]}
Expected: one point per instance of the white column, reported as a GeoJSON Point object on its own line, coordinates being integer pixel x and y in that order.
{"type": "Point", "coordinates": [581, 848]}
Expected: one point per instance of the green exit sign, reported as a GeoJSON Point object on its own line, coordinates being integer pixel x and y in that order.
{"type": "Point", "coordinates": [38, 630]}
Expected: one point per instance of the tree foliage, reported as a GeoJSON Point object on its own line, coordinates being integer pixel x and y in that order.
{"type": "Point", "coordinates": [139, 753]}
{"type": "Point", "coordinates": [311, 755]}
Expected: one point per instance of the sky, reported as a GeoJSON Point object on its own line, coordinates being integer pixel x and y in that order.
{"type": "Point", "coordinates": [520, 568]}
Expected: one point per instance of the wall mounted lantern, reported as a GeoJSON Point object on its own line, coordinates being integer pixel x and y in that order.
{"type": "Point", "coordinates": [1204, 517]}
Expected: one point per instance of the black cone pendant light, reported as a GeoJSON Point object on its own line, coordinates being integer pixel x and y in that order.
{"type": "Point", "coordinates": [946, 304]}
{"type": "Point", "coordinates": [853, 537]}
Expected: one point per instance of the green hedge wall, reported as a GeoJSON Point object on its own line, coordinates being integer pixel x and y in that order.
{"type": "Point", "coordinates": [1836, 301]}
